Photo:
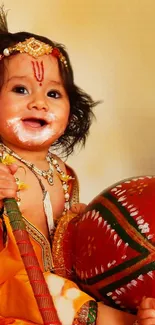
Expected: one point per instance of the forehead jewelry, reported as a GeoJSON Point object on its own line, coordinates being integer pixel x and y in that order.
{"type": "Point", "coordinates": [35, 48]}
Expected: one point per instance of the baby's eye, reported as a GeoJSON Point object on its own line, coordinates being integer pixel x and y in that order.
{"type": "Point", "coordinates": [54, 94]}
{"type": "Point", "coordinates": [20, 90]}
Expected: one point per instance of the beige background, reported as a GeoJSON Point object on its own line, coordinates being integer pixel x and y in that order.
{"type": "Point", "coordinates": [112, 48]}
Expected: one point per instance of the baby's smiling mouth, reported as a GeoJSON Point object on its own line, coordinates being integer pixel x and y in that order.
{"type": "Point", "coordinates": [34, 122]}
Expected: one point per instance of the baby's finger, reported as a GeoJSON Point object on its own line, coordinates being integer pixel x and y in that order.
{"type": "Point", "coordinates": [4, 168]}
{"type": "Point", "coordinates": [7, 177]}
{"type": "Point", "coordinates": [9, 193]}
{"type": "Point", "coordinates": [146, 313]}
{"type": "Point", "coordinates": [147, 303]}
{"type": "Point", "coordinates": [9, 169]}
{"type": "Point", "coordinates": [148, 321]}
{"type": "Point", "coordinates": [78, 208]}
{"type": "Point", "coordinates": [13, 168]}
{"type": "Point", "coordinates": [7, 183]}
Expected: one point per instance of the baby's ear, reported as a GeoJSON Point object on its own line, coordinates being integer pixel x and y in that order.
{"type": "Point", "coordinates": [147, 303]}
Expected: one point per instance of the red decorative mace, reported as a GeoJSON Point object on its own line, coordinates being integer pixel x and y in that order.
{"type": "Point", "coordinates": [43, 298]}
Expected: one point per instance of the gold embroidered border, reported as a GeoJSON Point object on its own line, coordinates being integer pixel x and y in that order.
{"type": "Point", "coordinates": [57, 246]}
{"type": "Point", "coordinates": [87, 314]}
{"type": "Point", "coordinates": [74, 198]}
{"type": "Point", "coordinates": [43, 242]}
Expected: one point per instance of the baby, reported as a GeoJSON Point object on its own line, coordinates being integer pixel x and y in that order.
{"type": "Point", "coordinates": [41, 109]}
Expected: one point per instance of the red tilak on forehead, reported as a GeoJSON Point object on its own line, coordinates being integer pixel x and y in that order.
{"type": "Point", "coordinates": [38, 69]}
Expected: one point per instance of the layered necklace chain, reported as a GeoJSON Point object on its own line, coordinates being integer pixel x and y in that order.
{"type": "Point", "coordinates": [48, 175]}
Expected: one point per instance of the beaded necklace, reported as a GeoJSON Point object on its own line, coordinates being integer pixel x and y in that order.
{"type": "Point", "coordinates": [48, 175]}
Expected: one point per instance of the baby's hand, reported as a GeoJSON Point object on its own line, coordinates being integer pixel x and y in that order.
{"type": "Point", "coordinates": [146, 312]}
{"type": "Point", "coordinates": [78, 208]}
{"type": "Point", "coordinates": [8, 186]}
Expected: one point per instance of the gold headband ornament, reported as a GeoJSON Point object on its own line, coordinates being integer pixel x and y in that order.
{"type": "Point", "coordinates": [35, 48]}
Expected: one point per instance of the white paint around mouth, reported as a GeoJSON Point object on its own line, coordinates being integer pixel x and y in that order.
{"type": "Point", "coordinates": [26, 135]}
{"type": "Point", "coordinates": [51, 117]}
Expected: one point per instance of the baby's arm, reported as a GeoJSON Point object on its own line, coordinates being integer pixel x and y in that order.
{"type": "Point", "coordinates": [110, 316]}
{"type": "Point", "coordinates": [146, 312]}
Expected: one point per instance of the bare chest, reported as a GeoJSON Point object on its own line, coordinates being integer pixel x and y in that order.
{"type": "Point", "coordinates": [31, 199]}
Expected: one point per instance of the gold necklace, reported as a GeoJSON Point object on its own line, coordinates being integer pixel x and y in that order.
{"type": "Point", "coordinates": [48, 175]}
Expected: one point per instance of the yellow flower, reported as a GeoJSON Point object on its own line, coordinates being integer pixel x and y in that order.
{"type": "Point", "coordinates": [8, 160]}
{"type": "Point", "coordinates": [65, 178]}
{"type": "Point", "coordinates": [22, 186]}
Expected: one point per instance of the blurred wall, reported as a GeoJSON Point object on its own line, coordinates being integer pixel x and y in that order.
{"type": "Point", "coordinates": [112, 48]}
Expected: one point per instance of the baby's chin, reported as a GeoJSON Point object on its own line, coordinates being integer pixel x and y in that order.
{"type": "Point", "coordinates": [33, 144]}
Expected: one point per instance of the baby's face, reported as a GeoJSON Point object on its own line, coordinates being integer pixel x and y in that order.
{"type": "Point", "coordinates": [34, 105]}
